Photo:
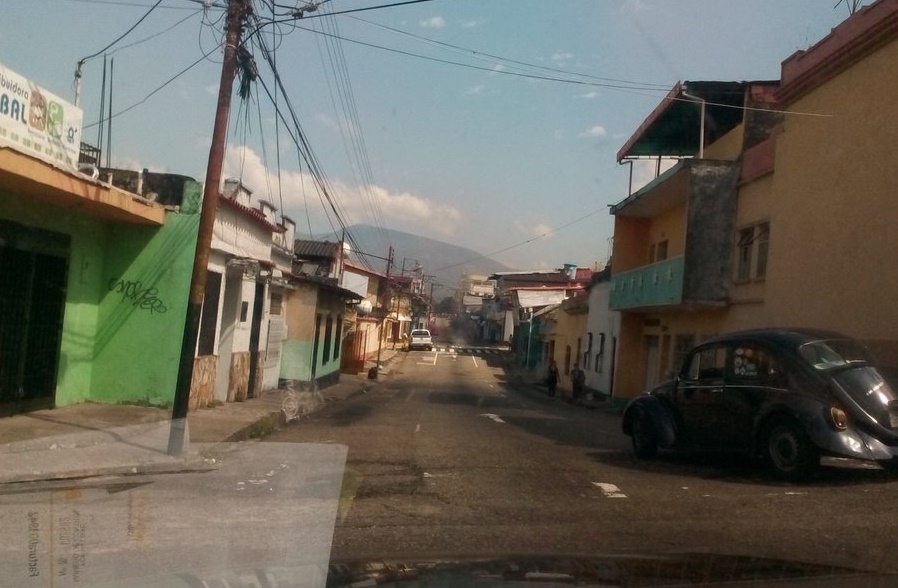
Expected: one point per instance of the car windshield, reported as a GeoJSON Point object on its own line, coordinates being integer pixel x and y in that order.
{"type": "Point", "coordinates": [834, 353]}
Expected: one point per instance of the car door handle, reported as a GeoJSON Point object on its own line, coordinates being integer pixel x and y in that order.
{"type": "Point", "coordinates": [717, 390]}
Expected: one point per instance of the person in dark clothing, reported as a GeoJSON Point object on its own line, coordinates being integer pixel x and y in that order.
{"type": "Point", "coordinates": [552, 378]}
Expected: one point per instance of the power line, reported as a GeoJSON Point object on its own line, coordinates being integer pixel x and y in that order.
{"type": "Point", "coordinates": [491, 57]}
{"type": "Point", "coordinates": [158, 89]}
{"type": "Point", "coordinates": [526, 242]}
{"type": "Point", "coordinates": [122, 36]}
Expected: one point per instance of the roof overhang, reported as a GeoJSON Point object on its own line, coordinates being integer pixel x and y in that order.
{"type": "Point", "coordinates": [673, 129]}
{"type": "Point", "coordinates": [27, 176]}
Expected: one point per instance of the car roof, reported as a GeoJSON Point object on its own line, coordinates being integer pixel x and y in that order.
{"type": "Point", "coordinates": [788, 337]}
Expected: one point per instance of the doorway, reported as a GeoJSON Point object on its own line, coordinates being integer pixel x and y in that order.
{"type": "Point", "coordinates": [33, 277]}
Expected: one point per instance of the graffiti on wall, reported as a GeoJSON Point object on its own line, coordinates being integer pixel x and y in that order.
{"type": "Point", "coordinates": [134, 292]}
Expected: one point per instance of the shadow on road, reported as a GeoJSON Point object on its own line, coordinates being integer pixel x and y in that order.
{"type": "Point", "coordinates": [736, 469]}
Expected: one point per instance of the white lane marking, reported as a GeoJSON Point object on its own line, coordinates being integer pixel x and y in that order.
{"type": "Point", "coordinates": [435, 357]}
{"type": "Point", "coordinates": [418, 428]}
{"type": "Point", "coordinates": [609, 490]}
{"type": "Point", "coordinates": [475, 361]}
{"type": "Point", "coordinates": [493, 417]}
{"type": "Point", "coordinates": [410, 395]}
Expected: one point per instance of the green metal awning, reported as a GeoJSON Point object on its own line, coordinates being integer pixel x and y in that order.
{"type": "Point", "coordinates": [673, 129]}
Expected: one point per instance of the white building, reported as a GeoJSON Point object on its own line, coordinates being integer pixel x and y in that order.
{"type": "Point", "coordinates": [602, 328]}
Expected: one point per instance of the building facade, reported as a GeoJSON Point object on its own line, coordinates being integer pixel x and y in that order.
{"type": "Point", "coordinates": [768, 219]}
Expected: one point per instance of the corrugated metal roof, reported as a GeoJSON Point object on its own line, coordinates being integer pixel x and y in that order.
{"type": "Point", "coordinates": [305, 248]}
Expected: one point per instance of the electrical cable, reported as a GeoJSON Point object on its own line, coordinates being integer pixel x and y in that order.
{"type": "Point", "coordinates": [123, 35]}
{"type": "Point", "coordinates": [526, 242]}
{"type": "Point", "coordinates": [160, 88]}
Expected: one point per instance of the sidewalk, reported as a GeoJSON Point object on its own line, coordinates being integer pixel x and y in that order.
{"type": "Point", "coordinates": [89, 439]}
{"type": "Point", "coordinates": [532, 381]}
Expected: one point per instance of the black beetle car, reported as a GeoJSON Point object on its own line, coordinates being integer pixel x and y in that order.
{"type": "Point", "coordinates": [793, 397]}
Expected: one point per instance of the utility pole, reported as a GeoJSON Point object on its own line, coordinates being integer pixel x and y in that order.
{"type": "Point", "coordinates": [383, 323]}
{"type": "Point", "coordinates": [238, 10]}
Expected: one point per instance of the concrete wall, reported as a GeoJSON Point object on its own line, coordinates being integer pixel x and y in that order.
{"type": "Point", "coordinates": [296, 354]}
{"type": "Point", "coordinates": [833, 242]}
{"type": "Point", "coordinates": [709, 231]}
{"type": "Point", "coordinates": [138, 345]}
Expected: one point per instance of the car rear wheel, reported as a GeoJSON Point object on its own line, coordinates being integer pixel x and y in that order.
{"type": "Point", "coordinates": [788, 451]}
{"type": "Point", "coordinates": [644, 437]}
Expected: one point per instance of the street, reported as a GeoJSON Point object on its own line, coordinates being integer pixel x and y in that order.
{"type": "Point", "coordinates": [447, 458]}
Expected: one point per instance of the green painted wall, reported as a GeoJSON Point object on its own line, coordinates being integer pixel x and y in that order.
{"type": "Point", "coordinates": [295, 360]}
{"type": "Point", "coordinates": [113, 350]}
{"type": "Point", "coordinates": [88, 238]}
{"type": "Point", "coordinates": [144, 292]}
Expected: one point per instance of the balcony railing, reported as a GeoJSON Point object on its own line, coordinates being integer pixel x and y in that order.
{"type": "Point", "coordinates": [658, 284]}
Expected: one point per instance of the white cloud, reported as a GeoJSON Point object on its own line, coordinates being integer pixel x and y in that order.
{"type": "Point", "coordinates": [299, 188]}
{"type": "Point", "coordinates": [434, 22]}
{"type": "Point", "coordinates": [469, 24]}
{"type": "Point", "coordinates": [594, 131]}
{"type": "Point", "coordinates": [537, 230]}
{"type": "Point", "coordinates": [635, 6]}
{"type": "Point", "coordinates": [560, 56]}
{"type": "Point", "coordinates": [590, 95]}
{"type": "Point", "coordinates": [474, 91]}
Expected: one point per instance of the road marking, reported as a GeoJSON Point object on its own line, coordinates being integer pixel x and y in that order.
{"type": "Point", "coordinates": [609, 490]}
{"type": "Point", "coordinates": [435, 357]}
{"type": "Point", "coordinates": [493, 417]}
{"type": "Point", "coordinates": [418, 428]}
{"type": "Point", "coordinates": [475, 361]}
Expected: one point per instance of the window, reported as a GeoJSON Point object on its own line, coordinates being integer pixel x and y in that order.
{"type": "Point", "coordinates": [662, 251]}
{"type": "Point", "coordinates": [753, 364]}
{"type": "Point", "coordinates": [652, 253]}
{"type": "Point", "coordinates": [276, 303]}
{"type": "Point", "coordinates": [598, 364]}
{"type": "Point", "coordinates": [743, 268]}
{"type": "Point", "coordinates": [338, 339]}
{"type": "Point", "coordinates": [763, 239]}
{"type": "Point", "coordinates": [708, 364]}
{"type": "Point", "coordinates": [751, 250]}
{"type": "Point", "coordinates": [328, 326]}
{"type": "Point", "coordinates": [244, 311]}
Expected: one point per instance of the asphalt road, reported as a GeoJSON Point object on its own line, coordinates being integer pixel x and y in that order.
{"type": "Point", "coordinates": [447, 458]}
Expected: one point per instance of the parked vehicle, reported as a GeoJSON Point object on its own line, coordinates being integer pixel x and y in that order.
{"type": "Point", "coordinates": [420, 339]}
{"type": "Point", "coordinates": [795, 398]}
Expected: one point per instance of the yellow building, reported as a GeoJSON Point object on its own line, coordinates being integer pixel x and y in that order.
{"type": "Point", "coordinates": [779, 214]}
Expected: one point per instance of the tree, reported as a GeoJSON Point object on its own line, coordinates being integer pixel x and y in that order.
{"type": "Point", "coordinates": [447, 305]}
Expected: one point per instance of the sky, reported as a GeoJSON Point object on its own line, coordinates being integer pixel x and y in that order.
{"type": "Point", "coordinates": [489, 124]}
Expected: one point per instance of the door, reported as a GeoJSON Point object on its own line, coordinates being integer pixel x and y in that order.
{"type": "Point", "coordinates": [700, 399]}
{"type": "Point", "coordinates": [255, 334]}
{"type": "Point", "coordinates": [229, 315]}
{"type": "Point", "coordinates": [753, 373]}
{"type": "Point", "coordinates": [32, 303]}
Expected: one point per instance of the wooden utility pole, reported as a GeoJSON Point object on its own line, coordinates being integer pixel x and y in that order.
{"type": "Point", "coordinates": [238, 10]}
{"type": "Point", "coordinates": [383, 323]}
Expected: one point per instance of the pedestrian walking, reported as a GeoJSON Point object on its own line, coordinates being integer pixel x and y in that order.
{"type": "Point", "coordinates": [578, 379]}
{"type": "Point", "coordinates": [552, 378]}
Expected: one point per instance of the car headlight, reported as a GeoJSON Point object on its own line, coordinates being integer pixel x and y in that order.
{"type": "Point", "coordinates": [838, 418]}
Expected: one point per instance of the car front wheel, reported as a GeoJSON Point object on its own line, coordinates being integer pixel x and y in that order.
{"type": "Point", "coordinates": [645, 438]}
{"type": "Point", "coordinates": [788, 451]}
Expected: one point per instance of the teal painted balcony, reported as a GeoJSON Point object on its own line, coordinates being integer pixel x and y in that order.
{"type": "Point", "coordinates": [657, 284]}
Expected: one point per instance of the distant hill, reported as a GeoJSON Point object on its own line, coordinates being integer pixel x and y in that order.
{"type": "Point", "coordinates": [445, 261]}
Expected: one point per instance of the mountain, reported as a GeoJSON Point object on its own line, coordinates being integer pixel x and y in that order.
{"type": "Point", "coordinates": [445, 261]}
